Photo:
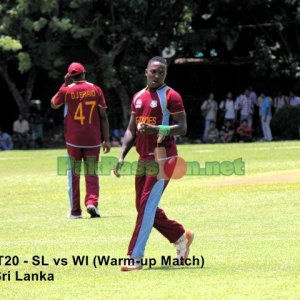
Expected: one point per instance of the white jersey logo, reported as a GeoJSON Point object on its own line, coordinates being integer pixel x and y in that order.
{"type": "Point", "coordinates": [153, 103]}
{"type": "Point", "coordinates": [138, 103]}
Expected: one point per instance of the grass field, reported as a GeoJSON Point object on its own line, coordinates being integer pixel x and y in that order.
{"type": "Point", "coordinates": [247, 228]}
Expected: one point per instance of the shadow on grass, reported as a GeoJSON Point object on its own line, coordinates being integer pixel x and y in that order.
{"type": "Point", "coordinates": [94, 219]}
{"type": "Point", "coordinates": [105, 217]}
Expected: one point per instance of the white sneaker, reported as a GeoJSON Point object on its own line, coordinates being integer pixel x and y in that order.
{"type": "Point", "coordinates": [93, 211]}
{"type": "Point", "coordinates": [70, 216]}
{"type": "Point", "coordinates": [183, 246]}
{"type": "Point", "coordinates": [132, 264]}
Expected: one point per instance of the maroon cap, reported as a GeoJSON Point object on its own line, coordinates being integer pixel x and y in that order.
{"type": "Point", "coordinates": [75, 68]}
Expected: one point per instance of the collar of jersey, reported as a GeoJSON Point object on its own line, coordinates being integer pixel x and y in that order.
{"type": "Point", "coordinates": [79, 81]}
{"type": "Point", "coordinates": [147, 87]}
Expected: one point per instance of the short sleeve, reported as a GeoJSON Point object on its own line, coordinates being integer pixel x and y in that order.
{"type": "Point", "coordinates": [102, 101]}
{"type": "Point", "coordinates": [175, 103]}
{"type": "Point", "coordinates": [59, 98]}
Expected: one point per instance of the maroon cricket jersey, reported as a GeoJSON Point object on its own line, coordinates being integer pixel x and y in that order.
{"type": "Point", "coordinates": [82, 119]}
{"type": "Point", "coordinates": [155, 108]}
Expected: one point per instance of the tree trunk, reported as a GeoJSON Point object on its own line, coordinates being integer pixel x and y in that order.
{"type": "Point", "coordinates": [113, 53]}
{"type": "Point", "coordinates": [125, 103]}
{"type": "Point", "coordinates": [29, 86]}
{"type": "Point", "coordinates": [22, 106]}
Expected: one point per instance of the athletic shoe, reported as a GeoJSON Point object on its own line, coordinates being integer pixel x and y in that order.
{"type": "Point", "coordinates": [183, 246]}
{"type": "Point", "coordinates": [70, 216]}
{"type": "Point", "coordinates": [132, 264]}
{"type": "Point", "coordinates": [93, 211]}
{"type": "Point", "coordinates": [189, 235]}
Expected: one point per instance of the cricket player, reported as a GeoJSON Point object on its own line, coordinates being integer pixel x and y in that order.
{"type": "Point", "coordinates": [85, 118]}
{"type": "Point", "coordinates": [157, 114]}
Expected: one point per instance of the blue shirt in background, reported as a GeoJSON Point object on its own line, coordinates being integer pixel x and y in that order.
{"type": "Point", "coordinates": [265, 109]}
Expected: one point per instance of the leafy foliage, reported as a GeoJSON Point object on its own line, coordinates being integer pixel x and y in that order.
{"type": "Point", "coordinates": [265, 33]}
{"type": "Point", "coordinates": [24, 62]}
{"type": "Point", "coordinates": [7, 44]}
{"type": "Point", "coordinates": [115, 38]}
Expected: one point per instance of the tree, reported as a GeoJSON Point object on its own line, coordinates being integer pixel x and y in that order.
{"type": "Point", "coordinates": [33, 38]}
{"type": "Point", "coordinates": [262, 33]}
{"type": "Point", "coordinates": [115, 37]}
{"type": "Point", "coordinates": [25, 37]}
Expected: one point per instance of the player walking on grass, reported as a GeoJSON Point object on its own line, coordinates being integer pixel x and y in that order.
{"type": "Point", "coordinates": [85, 118]}
{"type": "Point", "coordinates": [157, 115]}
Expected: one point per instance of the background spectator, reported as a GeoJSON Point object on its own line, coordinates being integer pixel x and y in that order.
{"type": "Point", "coordinates": [116, 137]}
{"type": "Point", "coordinates": [37, 130]}
{"type": "Point", "coordinates": [209, 110]}
{"type": "Point", "coordinates": [253, 96]}
{"type": "Point", "coordinates": [227, 132]}
{"type": "Point", "coordinates": [245, 106]}
{"type": "Point", "coordinates": [228, 106]}
{"type": "Point", "coordinates": [279, 101]}
{"type": "Point", "coordinates": [244, 132]}
{"type": "Point", "coordinates": [212, 133]}
{"type": "Point", "coordinates": [6, 142]}
{"type": "Point", "coordinates": [21, 132]}
{"type": "Point", "coordinates": [266, 116]}
{"type": "Point", "coordinates": [294, 100]}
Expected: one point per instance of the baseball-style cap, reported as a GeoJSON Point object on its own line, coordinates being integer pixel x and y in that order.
{"type": "Point", "coordinates": [75, 68]}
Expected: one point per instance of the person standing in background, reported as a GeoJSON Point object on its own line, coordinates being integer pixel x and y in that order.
{"type": "Point", "coordinates": [279, 101]}
{"type": "Point", "coordinates": [266, 116]}
{"type": "Point", "coordinates": [294, 100]}
{"type": "Point", "coordinates": [209, 110]}
{"type": "Point", "coordinates": [245, 106]}
{"type": "Point", "coordinates": [21, 132]}
{"type": "Point", "coordinates": [228, 106]}
{"type": "Point", "coordinates": [85, 118]}
{"type": "Point", "coordinates": [6, 142]}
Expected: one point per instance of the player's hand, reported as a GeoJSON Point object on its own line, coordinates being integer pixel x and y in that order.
{"type": "Point", "coordinates": [160, 138]}
{"type": "Point", "coordinates": [147, 128]}
{"type": "Point", "coordinates": [118, 168]}
{"type": "Point", "coordinates": [106, 146]}
{"type": "Point", "coordinates": [68, 79]}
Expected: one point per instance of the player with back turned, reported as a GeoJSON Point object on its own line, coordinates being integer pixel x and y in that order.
{"type": "Point", "coordinates": [157, 115]}
{"type": "Point", "coordinates": [85, 118]}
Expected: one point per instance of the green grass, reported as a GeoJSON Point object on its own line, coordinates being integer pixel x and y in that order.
{"type": "Point", "coordinates": [247, 233]}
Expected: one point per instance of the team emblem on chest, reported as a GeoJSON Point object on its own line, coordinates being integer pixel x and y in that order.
{"type": "Point", "coordinates": [153, 103]}
{"type": "Point", "coordinates": [138, 103]}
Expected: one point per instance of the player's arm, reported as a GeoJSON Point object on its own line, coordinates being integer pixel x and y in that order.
{"type": "Point", "coordinates": [105, 129]}
{"type": "Point", "coordinates": [128, 142]}
{"type": "Point", "coordinates": [54, 103]}
{"type": "Point", "coordinates": [179, 127]}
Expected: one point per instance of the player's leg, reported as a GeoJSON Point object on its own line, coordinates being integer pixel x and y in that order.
{"type": "Point", "coordinates": [174, 231]}
{"type": "Point", "coordinates": [170, 229]}
{"type": "Point", "coordinates": [91, 158]}
{"type": "Point", "coordinates": [75, 155]}
{"type": "Point", "coordinates": [139, 186]}
{"type": "Point", "coordinates": [147, 201]}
